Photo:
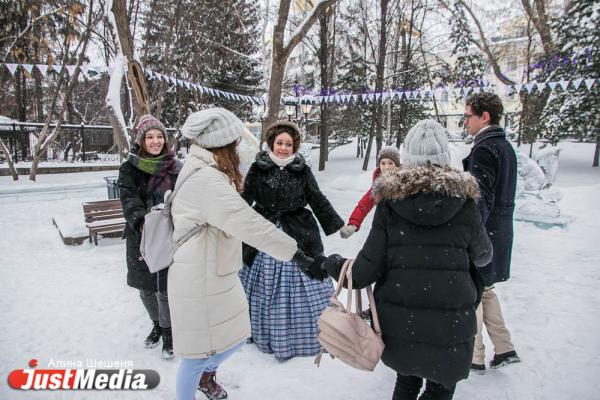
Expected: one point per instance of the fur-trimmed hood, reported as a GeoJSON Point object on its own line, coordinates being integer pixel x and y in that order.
{"type": "Point", "coordinates": [426, 195]}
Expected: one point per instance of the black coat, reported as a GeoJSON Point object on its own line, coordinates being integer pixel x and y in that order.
{"type": "Point", "coordinates": [280, 194]}
{"type": "Point", "coordinates": [422, 250]}
{"type": "Point", "coordinates": [494, 164]}
{"type": "Point", "coordinates": [137, 199]}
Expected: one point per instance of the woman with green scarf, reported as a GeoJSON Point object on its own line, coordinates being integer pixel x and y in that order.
{"type": "Point", "coordinates": [151, 170]}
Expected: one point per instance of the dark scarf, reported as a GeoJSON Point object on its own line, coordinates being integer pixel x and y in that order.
{"type": "Point", "coordinates": [162, 168]}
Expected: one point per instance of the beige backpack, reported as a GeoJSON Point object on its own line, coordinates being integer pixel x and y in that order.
{"type": "Point", "coordinates": [345, 334]}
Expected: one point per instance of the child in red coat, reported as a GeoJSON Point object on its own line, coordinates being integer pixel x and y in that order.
{"type": "Point", "coordinates": [388, 158]}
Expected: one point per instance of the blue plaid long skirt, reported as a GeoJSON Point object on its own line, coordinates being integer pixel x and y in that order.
{"type": "Point", "coordinates": [284, 305]}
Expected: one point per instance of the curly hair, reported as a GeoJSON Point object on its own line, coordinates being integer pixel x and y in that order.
{"type": "Point", "coordinates": [490, 102]}
{"type": "Point", "coordinates": [277, 130]}
{"type": "Point", "coordinates": [228, 160]}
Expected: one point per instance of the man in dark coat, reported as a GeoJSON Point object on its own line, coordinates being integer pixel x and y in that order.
{"type": "Point", "coordinates": [494, 164]}
{"type": "Point", "coordinates": [422, 252]}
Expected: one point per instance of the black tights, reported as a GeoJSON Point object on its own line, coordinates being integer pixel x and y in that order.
{"type": "Point", "coordinates": [408, 388]}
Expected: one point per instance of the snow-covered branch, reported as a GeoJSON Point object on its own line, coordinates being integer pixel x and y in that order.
{"type": "Point", "coordinates": [310, 19]}
{"type": "Point", "coordinates": [28, 28]}
{"type": "Point", "coordinates": [113, 96]}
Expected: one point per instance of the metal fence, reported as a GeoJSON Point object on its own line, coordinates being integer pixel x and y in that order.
{"type": "Point", "coordinates": [74, 143]}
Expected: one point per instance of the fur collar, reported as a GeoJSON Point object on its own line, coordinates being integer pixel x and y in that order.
{"type": "Point", "coordinates": [264, 162]}
{"type": "Point", "coordinates": [402, 183]}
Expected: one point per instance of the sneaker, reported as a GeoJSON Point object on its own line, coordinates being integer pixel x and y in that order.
{"type": "Point", "coordinates": [478, 369]}
{"type": "Point", "coordinates": [167, 350]}
{"type": "Point", "coordinates": [209, 386]}
{"type": "Point", "coordinates": [154, 336]}
{"type": "Point", "coordinates": [500, 360]}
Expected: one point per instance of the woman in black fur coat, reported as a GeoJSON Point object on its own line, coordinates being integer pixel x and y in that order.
{"type": "Point", "coordinates": [284, 302]}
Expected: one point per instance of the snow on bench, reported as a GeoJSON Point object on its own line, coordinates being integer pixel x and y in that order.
{"type": "Point", "coordinates": [104, 217]}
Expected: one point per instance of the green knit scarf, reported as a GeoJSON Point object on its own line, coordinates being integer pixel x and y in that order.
{"type": "Point", "coordinates": [150, 166]}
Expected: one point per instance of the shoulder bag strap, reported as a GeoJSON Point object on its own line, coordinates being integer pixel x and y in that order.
{"type": "Point", "coordinates": [178, 185]}
{"type": "Point", "coordinates": [349, 286]}
{"type": "Point", "coordinates": [170, 198]}
{"type": "Point", "coordinates": [374, 316]}
{"type": "Point", "coordinates": [340, 281]}
{"type": "Point", "coordinates": [348, 270]}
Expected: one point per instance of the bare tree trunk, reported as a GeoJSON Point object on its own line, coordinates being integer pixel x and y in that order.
{"type": "Point", "coordinates": [275, 85]}
{"type": "Point", "coordinates": [323, 61]}
{"type": "Point", "coordinates": [39, 105]}
{"type": "Point", "coordinates": [380, 70]}
{"type": "Point", "coordinates": [282, 51]}
{"type": "Point", "coordinates": [135, 72]}
{"type": "Point", "coordinates": [596, 161]}
{"type": "Point", "coordinates": [370, 141]}
{"type": "Point", "coordinates": [533, 104]}
{"type": "Point", "coordinates": [9, 161]}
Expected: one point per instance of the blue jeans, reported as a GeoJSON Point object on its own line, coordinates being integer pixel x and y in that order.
{"type": "Point", "coordinates": [190, 370]}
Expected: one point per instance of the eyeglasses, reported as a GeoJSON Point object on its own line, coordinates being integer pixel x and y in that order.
{"type": "Point", "coordinates": [467, 116]}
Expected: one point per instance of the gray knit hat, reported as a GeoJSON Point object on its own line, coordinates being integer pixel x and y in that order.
{"type": "Point", "coordinates": [147, 122]}
{"type": "Point", "coordinates": [213, 127]}
{"type": "Point", "coordinates": [390, 152]}
{"type": "Point", "coordinates": [426, 142]}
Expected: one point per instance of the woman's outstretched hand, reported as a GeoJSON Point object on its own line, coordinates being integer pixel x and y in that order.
{"type": "Point", "coordinates": [310, 266]}
{"type": "Point", "coordinates": [347, 231]}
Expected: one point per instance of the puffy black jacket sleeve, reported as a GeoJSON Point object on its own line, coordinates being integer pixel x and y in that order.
{"type": "Point", "coordinates": [249, 193]}
{"type": "Point", "coordinates": [480, 247]}
{"type": "Point", "coordinates": [327, 216]}
{"type": "Point", "coordinates": [371, 262]}
{"type": "Point", "coordinates": [485, 170]}
{"type": "Point", "coordinates": [134, 208]}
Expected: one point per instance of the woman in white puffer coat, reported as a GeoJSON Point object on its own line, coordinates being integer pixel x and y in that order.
{"type": "Point", "coordinates": [209, 310]}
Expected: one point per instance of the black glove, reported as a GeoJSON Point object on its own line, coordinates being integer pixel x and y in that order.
{"type": "Point", "coordinates": [310, 266]}
{"type": "Point", "coordinates": [333, 265]}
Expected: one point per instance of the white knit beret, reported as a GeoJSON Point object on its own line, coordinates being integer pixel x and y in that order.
{"type": "Point", "coordinates": [426, 142]}
{"type": "Point", "coordinates": [213, 127]}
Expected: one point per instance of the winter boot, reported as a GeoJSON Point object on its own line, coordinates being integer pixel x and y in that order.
{"type": "Point", "coordinates": [153, 337]}
{"type": "Point", "coordinates": [167, 350]}
{"type": "Point", "coordinates": [500, 360]}
{"type": "Point", "coordinates": [209, 386]}
{"type": "Point", "coordinates": [478, 369]}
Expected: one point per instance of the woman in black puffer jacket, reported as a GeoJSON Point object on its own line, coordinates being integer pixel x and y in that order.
{"type": "Point", "coordinates": [422, 252]}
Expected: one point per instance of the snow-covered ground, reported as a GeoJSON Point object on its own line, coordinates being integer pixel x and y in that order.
{"type": "Point", "coordinates": [63, 303]}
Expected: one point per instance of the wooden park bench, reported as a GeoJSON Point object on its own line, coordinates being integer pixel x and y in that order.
{"type": "Point", "coordinates": [104, 217]}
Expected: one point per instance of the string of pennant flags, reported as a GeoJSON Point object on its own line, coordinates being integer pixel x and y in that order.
{"type": "Point", "coordinates": [424, 94]}
{"type": "Point", "coordinates": [100, 69]}
{"type": "Point", "coordinates": [202, 89]}
{"type": "Point", "coordinates": [414, 94]}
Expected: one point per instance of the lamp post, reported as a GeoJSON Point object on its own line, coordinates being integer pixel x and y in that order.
{"type": "Point", "coordinates": [289, 110]}
{"type": "Point", "coordinates": [305, 108]}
